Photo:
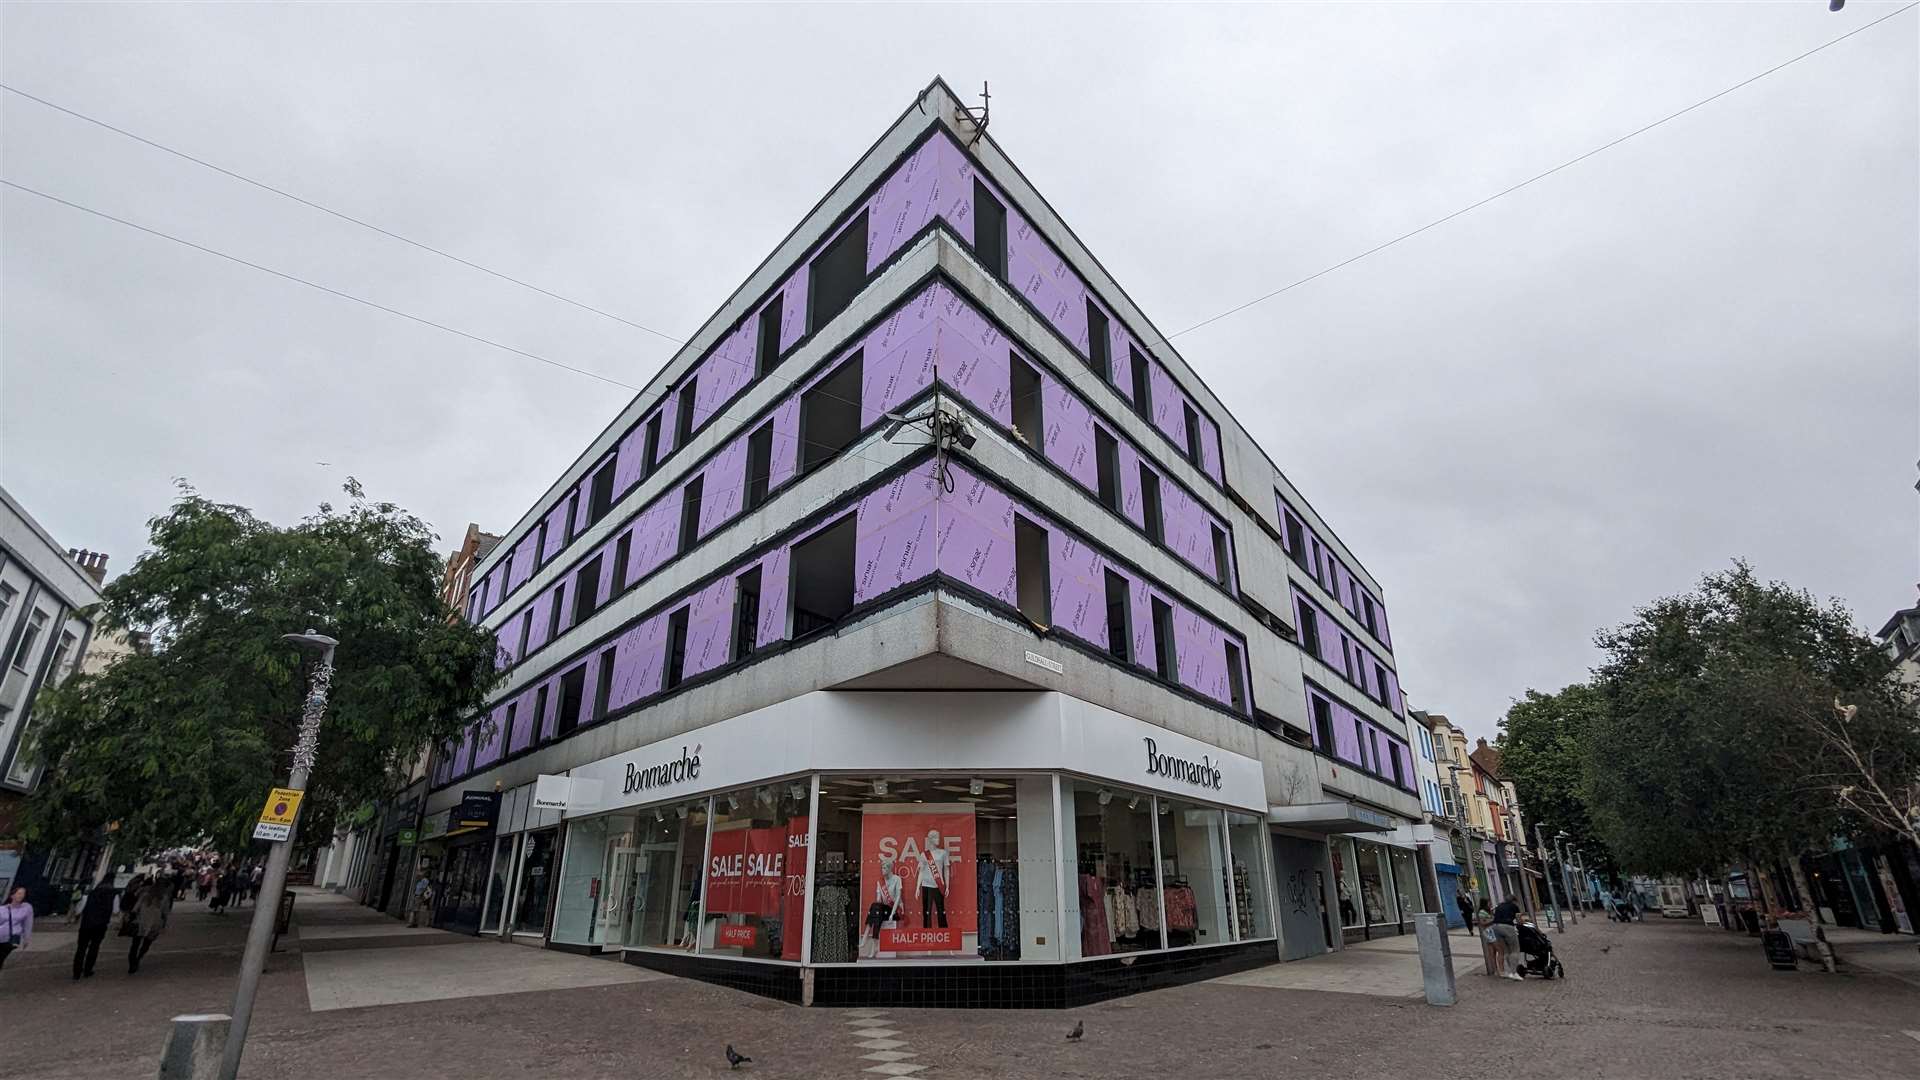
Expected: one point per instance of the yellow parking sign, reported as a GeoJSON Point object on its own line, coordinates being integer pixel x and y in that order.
{"type": "Point", "coordinates": [276, 817]}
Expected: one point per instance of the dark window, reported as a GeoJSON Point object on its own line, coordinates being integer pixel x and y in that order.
{"type": "Point", "coordinates": [1222, 558]}
{"type": "Point", "coordinates": [1106, 460]}
{"type": "Point", "coordinates": [1164, 660]}
{"type": "Point", "coordinates": [837, 274]}
{"type": "Point", "coordinates": [1323, 723]}
{"type": "Point", "coordinates": [1296, 540]}
{"type": "Point", "coordinates": [1150, 505]}
{"type": "Point", "coordinates": [1032, 586]}
{"type": "Point", "coordinates": [1393, 759]}
{"type": "Point", "coordinates": [822, 578]}
{"type": "Point", "coordinates": [1192, 420]}
{"type": "Point", "coordinates": [1028, 420]}
{"type": "Point", "coordinates": [652, 449]}
{"type": "Point", "coordinates": [540, 710]}
{"type": "Point", "coordinates": [759, 464]}
{"type": "Point", "coordinates": [683, 423]}
{"type": "Point", "coordinates": [621, 550]}
{"type": "Point", "coordinates": [1119, 617]}
{"type": "Point", "coordinates": [554, 612]}
{"type": "Point", "coordinates": [1380, 680]}
{"type": "Point", "coordinates": [1367, 613]}
{"type": "Point", "coordinates": [586, 590]}
{"type": "Point", "coordinates": [506, 577]}
{"type": "Point", "coordinates": [989, 231]}
{"type": "Point", "coordinates": [830, 415]}
{"type": "Point", "coordinates": [1346, 657]}
{"type": "Point", "coordinates": [540, 544]}
{"type": "Point", "coordinates": [676, 647]}
{"type": "Point", "coordinates": [1309, 628]}
{"type": "Point", "coordinates": [1142, 387]}
{"type": "Point", "coordinates": [573, 513]}
{"type": "Point", "coordinates": [600, 498]}
{"type": "Point", "coordinates": [768, 354]}
{"type": "Point", "coordinates": [1099, 344]}
{"type": "Point", "coordinates": [573, 692]}
{"type": "Point", "coordinates": [1236, 679]}
{"type": "Point", "coordinates": [603, 694]}
{"type": "Point", "coordinates": [526, 631]}
{"type": "Point", "coordinates": [746, 613]}
{"type": "Point", "coordinates": [506, 733]}
{"type": "Point", "coordinates": [690, 512]}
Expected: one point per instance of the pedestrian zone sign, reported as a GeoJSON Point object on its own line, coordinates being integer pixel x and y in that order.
{"type": "Point", "coordinates": [276, 817]}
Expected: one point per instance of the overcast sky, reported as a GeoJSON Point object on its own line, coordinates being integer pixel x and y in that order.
{"type": "Point", "coordinates": [1701, 344]}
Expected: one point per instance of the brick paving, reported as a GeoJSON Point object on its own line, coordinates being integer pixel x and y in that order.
{"type": "Point", "coordinates": [1670, 1000]}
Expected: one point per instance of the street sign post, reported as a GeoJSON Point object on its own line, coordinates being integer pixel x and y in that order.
{"type": "Point", "coordinates": [277, 816]}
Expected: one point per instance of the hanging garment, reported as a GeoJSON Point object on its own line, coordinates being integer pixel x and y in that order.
{"type": "Point", "coordinates": [1094, 938]}
{"type": "Point", "coordinates": [1146, 901]}
{"type": "Point", "coordinates": [1126, 920]}
{"type": "Point", "coordinates": [1006, 912]}
{"type": "Point", "coordinates": [1182, 912]}
{"type": "Point", "coordinates": [983, 873]}
{"type": "Point", "coordinates": [831, 944]}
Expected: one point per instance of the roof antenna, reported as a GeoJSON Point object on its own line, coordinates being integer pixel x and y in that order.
{"type": "Point", "coordinates": [977, 117]}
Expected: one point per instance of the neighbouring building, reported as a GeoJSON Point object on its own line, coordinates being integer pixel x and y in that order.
{"type": "Point", "coordinates": [1439, 797]}
{"type": "Point", "coordinates": [47, 593]}
{"type": "Point", "coordinates": [928, 632]}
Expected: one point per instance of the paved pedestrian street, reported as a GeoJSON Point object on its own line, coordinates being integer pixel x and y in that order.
{"type": "Point", "coordinates": [358, 996]}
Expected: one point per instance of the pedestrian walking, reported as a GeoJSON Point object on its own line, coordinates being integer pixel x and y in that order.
{"type": "Point", "coordinates": [19, 923]}
{"type": "Point", "coordinates": [1483, 929]}
{"type": "Point", "coordinates": [1506, 937]}
{"type": "Point", "coordinates": [253, 883]}
{"type": "Point", "coordinates": [422, 899]}
{"type": "Point", "coordinates": [149, 917]}
{"type": "Point", "coordinates": [96, 917]}
{"type": "Point", "coordinates": [1463, 903]}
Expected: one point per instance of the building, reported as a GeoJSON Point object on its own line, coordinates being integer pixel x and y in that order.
{"type": "Point", "coordinates": [927, 572]}
{"type": "Point", "coordinates": [46, 593]}
{"type": "Point", "coordinates": [1439, 797]}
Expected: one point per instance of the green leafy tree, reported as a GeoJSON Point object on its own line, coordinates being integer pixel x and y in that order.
{"type": "Point", "coordinates": [1542, 750]}
{"type": "Point", "coordinates": [1702, 751]}
{"type": "Point", "coordinates": [183, 744]}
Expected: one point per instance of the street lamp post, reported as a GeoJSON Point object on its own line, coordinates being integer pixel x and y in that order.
{"type": "Point", "coordinates": [1566, 881]}
{"type": "Point", "coordinates": [260, 934]}
{"type": "Point", "coordinates": [1553, 896]}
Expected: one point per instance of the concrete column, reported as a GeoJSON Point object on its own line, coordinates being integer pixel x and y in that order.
{"type": "Point", "coordinates": [195, 1047]}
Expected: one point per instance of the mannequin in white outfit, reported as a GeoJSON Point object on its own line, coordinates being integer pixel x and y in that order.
{"type": "Point", "coordinates": [934, 860]}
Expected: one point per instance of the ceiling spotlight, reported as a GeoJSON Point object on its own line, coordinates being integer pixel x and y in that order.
{"type": "Point", "coordinates": [733, 802]}
{"type": "Point", "coordinates": [976, 786]}
{"type": "Point", "coordinates": [763, 795]}
{"type": "Point", "coordinates": [879, 787]}
{"type": "Point", "coordinates": [1105, 796]}
{"type": "Point", "coordinates": [1133, 803]}
{"type": "Point", "coordinates": [1164, 807]}
{"type": "Point", "coordinates": [659, 814]}
{"type": "Point", "coordinates": [681, 811]}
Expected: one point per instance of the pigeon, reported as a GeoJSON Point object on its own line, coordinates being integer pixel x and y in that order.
{"type": "Point", "coordinates": [1079, 1029]}
{"type": "Point", "coordinates": [736, 1059]}
{"type": "Point", "coordinates": [1606, 948]}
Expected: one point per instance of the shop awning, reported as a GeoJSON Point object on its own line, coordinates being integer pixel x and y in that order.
{"type": "Point", "coordinates": [1332, 817]}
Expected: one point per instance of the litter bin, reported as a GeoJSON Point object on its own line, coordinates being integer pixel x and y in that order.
{"type": "Point", "coordinates": [282, 918]}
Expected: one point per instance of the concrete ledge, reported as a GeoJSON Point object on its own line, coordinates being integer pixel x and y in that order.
{"type": "Point", "coordinates": [313, 940]}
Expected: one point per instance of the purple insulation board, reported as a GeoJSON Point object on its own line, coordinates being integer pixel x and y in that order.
{"type": "Point", "coordinates": [1167, 414]}
{"type": "Point", "coordinates": [1189, 528]}
{"type": "Point", "coordinates": [628, 465]}
{"type": "Point", "coordinates": [709, 617]}
{"type": "Point", "coordinates": [975, 358]}
{"type": "Point", "coordinates": [492, 737]}
{"type": "Point", "coordinates": [976, 537]}
{"type": "Point", "coordinates": [774, 574]}
{"type": "Point", "coordinates": [556, 532]}
{"type": "Point", "coordinates": [1079, 588]}
{"type": "Point", "coordinates": [520, 735]}
{"type": "Point", "coordinates": [1069, 432]}
{"type": "Point", "coordinates": [639, 662]}
{"type": "Point", "coordinates": [893, 534]}
{"type": "Point", "coordinates": [724, 371]}
{"type": "Point", "coordinates": [898, 356]}
{"type": "Point", "coordinates": [936, 180]}
{"type": "Point", "coordinates": [1200, 651]}
{"type": "Point", "coordinates": [1128, 461]}
{"type": "Point", "coordinates": [786, 442]}
{"type": "Point", "coordinates": [523, 560]}
{"type": "Point", "coordinates": [656, 536]}
{"type": "Point", "coordinates": [723, 485]}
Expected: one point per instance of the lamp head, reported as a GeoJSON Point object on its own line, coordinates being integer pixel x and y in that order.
{"type": "Point", "coordinates": [310, 640]}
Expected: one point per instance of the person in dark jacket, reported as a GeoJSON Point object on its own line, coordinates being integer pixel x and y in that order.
{"type": "Point", "coordinates": [96, 917]}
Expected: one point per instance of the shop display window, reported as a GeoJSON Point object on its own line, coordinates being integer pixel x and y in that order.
{"type": "Point", "coordinates": [1252, 900]}
{"type": "Point", "coordinates": [1376, 899]}
{"type": "Point", "coordinates": [1193, 874]}
{"type": "Point", "coordinates": [496, 901]}
{"type": "Point", "coordinates": [1347, 879]}
{"type": "Point", "coordinates": [658, 880]}
{"type": "Point", "coordinates": [917, 868]}
{"type": "Point", "coordinates": [1406, 881]}
{"type": "Point", "coordinates": [756, 872]}
{"type": "Point", "coordinates": [591, 905]}
{"type": "Point", "coordinates": [536, 882]}
{"type": "Point", "coordinates": [1118, 890]}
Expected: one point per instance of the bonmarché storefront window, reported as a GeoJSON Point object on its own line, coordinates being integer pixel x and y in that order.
{"type": "Point", "coordinates": [660, 879]}
{"type": "Point", "coordinates": [756, 895]}
{"type": "Point", "coordinates": [592, 904]}
{"type": "Point", "coordinates": [1193, 874]}
{"type": "Point", "coordinates": [536, 883]}
{"type": "Point", "coordinates": [1118, 905]}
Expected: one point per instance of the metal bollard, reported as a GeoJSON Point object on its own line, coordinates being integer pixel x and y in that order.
{"type": "Point", "coordinates": [195, 1047]}
{"type": "Point", "coordinates": [1436, 959]}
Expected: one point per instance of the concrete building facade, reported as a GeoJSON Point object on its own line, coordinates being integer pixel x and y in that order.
{"type": "Point", "coordinates": [927, 631]}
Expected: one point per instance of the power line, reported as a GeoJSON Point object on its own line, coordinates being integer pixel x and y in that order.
{"type": "Point", "coordinates": [283, 193]}
{"type": "Point", "coordinates": [1538, 176]}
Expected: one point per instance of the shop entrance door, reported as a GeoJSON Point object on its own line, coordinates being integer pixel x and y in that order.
{"type": "Point", "coordinates": [615, 912]}
{"type": "Point", "coordinates": [1296, 867]}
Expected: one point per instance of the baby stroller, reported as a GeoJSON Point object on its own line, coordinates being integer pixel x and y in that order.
{"type": "Point", "coordinates": [1538, 949]}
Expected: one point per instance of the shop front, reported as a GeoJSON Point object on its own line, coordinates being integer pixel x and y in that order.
{"type": "Point", "coordinates": [934, 849]}
{"type": "Point", "coordinates": [519, 883]}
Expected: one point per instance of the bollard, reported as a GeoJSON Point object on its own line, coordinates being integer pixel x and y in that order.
{"type": "Point", "coordinates": [1436, 959]}
{"type": "Point", "coordinates": [194, 1047]}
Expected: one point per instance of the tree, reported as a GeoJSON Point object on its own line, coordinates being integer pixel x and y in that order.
{"type": "Point", "coordinates": [183, 745]}
{"type": "Point", "coordinates": [1702, 752]}
{"type": "Point", "coordinates": [1542, 740]}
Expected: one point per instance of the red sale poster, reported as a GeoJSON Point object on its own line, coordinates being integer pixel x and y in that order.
{"type": "Point", "coordinates": [916, 859]}
{"type": "Point", "coordinates": [746, 872]}
{"type": "Point", "coordinates": [798, 835]}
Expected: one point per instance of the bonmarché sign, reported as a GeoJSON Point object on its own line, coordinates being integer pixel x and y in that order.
{"type": "Point", "coordinates": [672, 771]}
{"type": "Point", "coordinates": [1202, 773]}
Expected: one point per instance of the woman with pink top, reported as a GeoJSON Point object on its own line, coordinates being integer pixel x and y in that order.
{"type": "Point", "coordinates": [18, 923]}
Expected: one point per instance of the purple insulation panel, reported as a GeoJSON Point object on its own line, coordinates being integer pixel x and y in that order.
{"type": "Point", "coordinates": [774, 572]}
{"type": "Point", "coordinates": [1210, 450]}
{"type": "Point", "coordinates": [723, 486]}
{"type": "Point", "coordinates": [639, 662]}
{"type": "Point", "coordinates": [1200, 653]}
{"type": "Point", "coordinates": [1079, 587]}
{"type": "Point", "coordinates": [656, 536]}
{"type": "Point", "coordinates": [549, 714]}
{"type": "Point", "coordinates": [1189, 528]}
{"type": "Point", "coordinates": [1404, 759]}
{"type": "Point", "coordinates": [463, 755]}
{"type": "Point", "coordinates": [1140, 600]}
{"type": "Point", "coordinates": [893, 531]}
{"type": "Point", "coordinates": [793, 308]}
{"type": "Point", "coordinates": [723, 372]}
{"type": "Point", "coordinates": [897, 357]}
{"type": "Point", "coordinates": [523, 560]}
{"type": "Point", "coordinates": [1168, 416]}
{"type": "Point", "coordinates": [709, 617]}
{"type": "Point", "coordinates": [976, 537]}
{"type": "Point", "coordinates": [974, 356]}
{"type": "Point", "coordinates": [520, 734]}
{"type": "Point", "coordinates": [1037, 273]}
{"type": "Point", "coordinates": [1346, 734]}
{"type": "Point", "coordinates": [1069, 434]}
{"type": "Point", "coordinates": [537, 635]}
{"type": "Point", "coordinates": [1128, 462]}
{"type": "Point", "coordinates": [556, 522]}
{"type": "Point", "coordinates": [934, 179]}
{"type": "Point", "coordinates": [493, 737]}
{"type": "Point", "coordinates": [628, 466]}
{"type": "Point", "coordinates": [786, 442]}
